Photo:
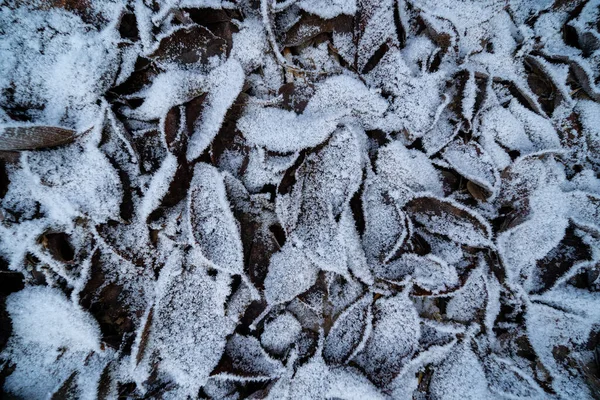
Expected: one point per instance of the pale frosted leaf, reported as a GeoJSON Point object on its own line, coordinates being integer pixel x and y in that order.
{"type": "Point", "coordinates": [280, 333]}
{"type": "Point", "coordinates": [460, 376]}
{"type": "Point", "coordinates": [506, 379]}
{"type": "Point", "coordinates": [394, 338]}
{"type": "Point", "coordinates": [349, 332]}
{"type": "Point", "coordinates": [189, 325]}
{"type": "Point", "coordinates": [400, 166]}
{"type": "Point", "coordinates": [290, 274]}
{"type": "Point", "coordinates": [213, 225]}
{"type": "Point", "coordinates": [225, 84]}
{"type": "Point", "coordinates": [386, 225]}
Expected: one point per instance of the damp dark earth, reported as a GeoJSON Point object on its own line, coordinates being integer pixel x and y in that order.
{"type": "Point", "coordinates": [300, 199]}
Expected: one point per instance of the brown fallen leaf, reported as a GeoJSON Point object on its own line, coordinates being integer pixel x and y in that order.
{"type": "Point", "coordinates": [189, 44]}
{"type": "Point", "coordinates": [32, 137]}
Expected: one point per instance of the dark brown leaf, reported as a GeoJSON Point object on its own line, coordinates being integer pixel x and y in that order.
{"type": "Point", "coordinates": [189, 44]}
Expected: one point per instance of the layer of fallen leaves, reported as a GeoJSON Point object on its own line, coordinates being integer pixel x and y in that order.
{"type": "Point", "coordinates": [307, 199]}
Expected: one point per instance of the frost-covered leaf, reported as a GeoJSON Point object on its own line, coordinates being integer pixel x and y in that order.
{"type": "Point", "coordinates": [328, 179]}
{"type": "Point", "coordinates": [65, 190]}
{"type": "Point", "coordinates": [410, 168]}
{"type": "Point", "coordinates": [548, 329]}
{"type": "Point", "coordinates": [446, 217]}
{"type": "Point", "coordinates": [349, 237]}
{"type": "Point", "coordinates": [539, 129]}
{"type": "Point", "coordinates": [188, 44]}
{"type": "Point", "coordinates": [337, 99]}
{"type": "Point", "coordinates": [315, 380]}
{"type": "Point", "coordinates": [530, 241]}
{"type": "Point", "coordinates": [213, 225]}
{"type": "Point", "coordinates": [460, 376]}
{"type": "Point", "coordinates": [468, 303]}
{"type": "Point", "coordinates": [310, 26]}
{"type": "Point", "coordinates": [52, 338]}
{"type": "Point", "coordinates": [42, 309]}
{"type": "Point", "coordinates": [280, 333]}
{"type": "Point", "coordinates": [472, 161]}
{"type": "Point", "coordinates": [224, 85]}
{"type": "Point", "coordinates": [377, 27]}
{"type": "Point", "coordinates": [349, 384]}
{"type": "Point", "coordinates": [394, 337]}
{"type": "Point", "coordinates": [245, 360]}
{"type": "Point", "coordinates": [349, 332]}
{"type": "Point", "coordinates": [386, 226]}
{"type": "Point", "coordinates": [328, 8]}
{"type": "Point", "coordinates": [429, 272]}
{"type": "Point", "coordinates": [189, 325]}
{"type": "Point", "coordinates": [589, 123]}
{"type": "Point", "coordinates": [585, 209]}
{"type": "Point", "coordinates": [290, 274]}
{"type": "Point", "coordinates": [503, 126]}
{"type": "Point", "coordinates": [507, 380]}
{"type": "Point", "coordinates": [168, 89]}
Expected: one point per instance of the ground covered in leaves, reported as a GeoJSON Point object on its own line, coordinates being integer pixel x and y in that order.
{"type": "Point", "coordinates": [320, 199]}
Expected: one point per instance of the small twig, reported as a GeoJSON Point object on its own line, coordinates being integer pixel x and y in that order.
{"type": "Point", "coordinates": [279, 7]}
